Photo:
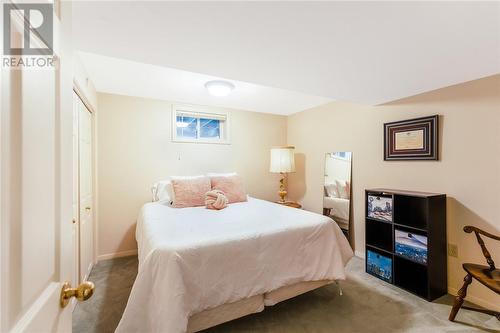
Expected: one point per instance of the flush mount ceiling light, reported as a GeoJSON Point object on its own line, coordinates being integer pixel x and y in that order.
{"type": "Point", "coordinates": [219, 88]}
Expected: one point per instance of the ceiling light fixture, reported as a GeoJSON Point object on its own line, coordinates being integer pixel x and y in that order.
{"type": "Point", "coordinates": [219, 88]}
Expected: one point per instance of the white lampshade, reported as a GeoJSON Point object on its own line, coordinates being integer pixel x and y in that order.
{"type": "Point", "coordinates": [282, 159]}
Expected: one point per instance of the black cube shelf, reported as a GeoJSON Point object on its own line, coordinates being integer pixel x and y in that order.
{"type": "Point", "coordinates": [406, 240]}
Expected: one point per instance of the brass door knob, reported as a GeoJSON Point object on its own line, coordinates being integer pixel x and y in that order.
{"type": "Point", "coordinates": [82, 293]}
{"type": "Point", "coordinates": [87, 208]}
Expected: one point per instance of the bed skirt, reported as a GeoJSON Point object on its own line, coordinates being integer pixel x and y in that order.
{"type": "Point", "coordinates": [227, 312]}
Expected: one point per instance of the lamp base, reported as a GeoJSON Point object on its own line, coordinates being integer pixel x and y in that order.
{"type": "Point", "coordinates": [282, 195]}
{"type": "Point", "coordinates": [289, 204]}
{"type": "Point", "coordinates": [282, 192]}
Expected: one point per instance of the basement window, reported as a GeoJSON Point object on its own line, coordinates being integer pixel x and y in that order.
{"type": "Point", "coordinates": [199, 125]}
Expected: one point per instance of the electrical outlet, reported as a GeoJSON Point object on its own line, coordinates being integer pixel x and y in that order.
{"type": "Point", "coordinates": [453, 250]}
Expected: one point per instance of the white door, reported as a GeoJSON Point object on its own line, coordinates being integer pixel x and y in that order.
{"type": "Point", "coordinates": [86, 224]}
{"type": "Point", "coordinates": [36, 246]}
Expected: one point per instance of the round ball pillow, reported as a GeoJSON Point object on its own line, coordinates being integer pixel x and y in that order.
{"type": "Point", "coordinates": [215, 199]}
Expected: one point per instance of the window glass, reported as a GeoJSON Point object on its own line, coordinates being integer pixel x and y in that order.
{"type": "Point", "coordinates": [187, 127]}
{"type": "Point", "coordinates": [209, 128]}
{"type": "Point", "coordinates": [192, 125]}
{"type": "Point", "coordinates": [343, 154]}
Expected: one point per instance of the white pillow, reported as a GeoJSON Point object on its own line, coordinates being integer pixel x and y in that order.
{"type": "Point", "coordinates": [331, 190]}
{"type": "Point", "coordinates": [342, 189]}
{"type": "Point", "coordinates": [162, 191]}
{"type": "Point", "coordinates": [228, 174]}
{"type": "Point", "coordinates": [186, 177]}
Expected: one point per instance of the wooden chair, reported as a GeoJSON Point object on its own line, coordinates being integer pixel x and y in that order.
{"type": "Point", "coordinates": [488, 276]}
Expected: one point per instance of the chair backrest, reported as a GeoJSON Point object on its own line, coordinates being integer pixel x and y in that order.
{"type": "Point", "coordinates": [469, 229]}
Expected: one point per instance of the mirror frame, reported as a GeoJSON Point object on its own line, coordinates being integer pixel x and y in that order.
{"type": "Point", "coordinates": [349, 232]}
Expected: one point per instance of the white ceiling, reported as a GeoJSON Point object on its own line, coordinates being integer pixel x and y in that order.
{"type": "Point", "coordinates": [364, 52]}
{"type": "Point", "coordinates": [125, 77]}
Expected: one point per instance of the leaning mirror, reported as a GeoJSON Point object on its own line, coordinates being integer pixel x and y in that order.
{"type": "Point", "coordinates": [337, 189]}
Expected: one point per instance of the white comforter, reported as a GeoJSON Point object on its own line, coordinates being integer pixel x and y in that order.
{"type": "Point", "coordinates": [192, 259]}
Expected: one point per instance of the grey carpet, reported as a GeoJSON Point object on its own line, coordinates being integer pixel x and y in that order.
{"type": "Point", "coordinates": [367, 305]}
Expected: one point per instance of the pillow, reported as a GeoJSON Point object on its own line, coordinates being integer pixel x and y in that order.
{"type": "Point", "coordinates": [190, 191]}
{"type": "Point", "coordinates": [331, 190]}
{"type": "Point", "coordinates": [228, 174]}
{"type": "Point", "coordinates": [186, 177]}
{"type": "Point", "coordinates": [162, 191]}
{"type": "Point", "coordinates": [215, 199]}
{"type": "Point", "coordinates": [342, 189]}
{"type": "Point", "coordinates": [232, 186]}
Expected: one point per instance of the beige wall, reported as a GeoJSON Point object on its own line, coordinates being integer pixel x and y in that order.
{"type": "Point", "coordinates": [468, 171]}
{"type": "Point", "coordinates": [135, 150]}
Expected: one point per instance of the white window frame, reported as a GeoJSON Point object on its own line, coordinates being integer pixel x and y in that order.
{"type": "Point", "coordinates": [201, 112]}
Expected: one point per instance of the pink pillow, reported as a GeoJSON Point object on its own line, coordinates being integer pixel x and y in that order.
{"type": "Point", "coordinates": [190, 192]}
{"type": "Point", "coordinates": [232, 186]}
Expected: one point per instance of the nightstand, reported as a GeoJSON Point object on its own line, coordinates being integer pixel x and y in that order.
{"type": "Point", "coordinates": [289, 204]}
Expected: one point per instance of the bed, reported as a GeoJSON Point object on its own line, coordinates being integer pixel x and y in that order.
{"type": "Point", "coordinates": [337, 208]}
{"type": "Point", "coordinates": [199, 268]}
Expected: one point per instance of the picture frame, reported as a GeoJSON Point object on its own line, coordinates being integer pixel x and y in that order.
{"type": "Point", "coordinates": [412, 139]}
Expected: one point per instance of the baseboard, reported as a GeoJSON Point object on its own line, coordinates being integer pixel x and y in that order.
{"type": "Point", "coordinates": [89, 269]}
{"type": "Point", "coordinates": [359, 254]}
{"type": "Point", "coordinates": [117, 255]}
{"type": "Point", "coordinates": [454, 291]}
{"type": "Point", "coordinates": [476, 300]}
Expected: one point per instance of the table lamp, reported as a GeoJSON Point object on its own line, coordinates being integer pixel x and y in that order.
{"type": "Point", "coordinates": [282, 162]}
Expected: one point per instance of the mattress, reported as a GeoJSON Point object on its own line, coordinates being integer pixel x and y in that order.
{"type": "Point", "coordinates": [194, 259]}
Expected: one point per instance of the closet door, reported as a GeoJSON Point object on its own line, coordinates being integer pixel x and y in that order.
{"type": "Point", "coordinates": [86, 192]}
{"type": "Point", "coordinates": [76, 189]}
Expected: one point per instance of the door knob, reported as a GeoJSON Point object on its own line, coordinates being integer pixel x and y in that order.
{"type": "Point", "coordinates": [87, 208]}
{"type": "Point", "coordinates": [82, 293]}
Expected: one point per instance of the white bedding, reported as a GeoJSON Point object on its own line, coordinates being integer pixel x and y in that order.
{"type": "Point", "coordinates": [193, 259]}
{"type": "Point", "coordinates": [339, 207]}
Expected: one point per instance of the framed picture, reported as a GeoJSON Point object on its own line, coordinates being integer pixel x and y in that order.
{"type": "Point", "coordinates": [380, 208]}
{"type": "Point", "coordinates": [379, 265]}
{"type": "Point", "coordinates": [410, 245]}
{"type": "Point", "coordinates": [414, 139]}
